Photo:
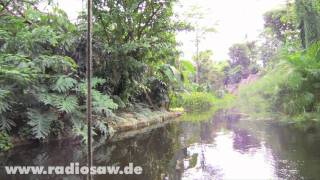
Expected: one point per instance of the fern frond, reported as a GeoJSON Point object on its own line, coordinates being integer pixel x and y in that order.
{"type": "Point", "coordinates": [4, 103]}
{"type": "Point", "coordinates": [77, 118]}
{"type": "Point", "coordinates": [48, 98]}
{"type": "Point", "coordinates": [81, 130]}
{"type": "Point", "coordinates": [6, 124]}
{"type": "Point", "coordinates": [58, 63]}
{"type": "Point", "coordinates": [102, 103]}
{"type": "Point", "coordinates": [4, 34]}
{"type": "Point", "coordinates": [40, 123]}
{"type": "Point", "coordinates": [68, 105]}
{"type": "Point", "coordinates": [64, 83]}
{"type": "Point", "coordinates": [17, 68]}
{"type": "Point", "coordinates": [97, 81]}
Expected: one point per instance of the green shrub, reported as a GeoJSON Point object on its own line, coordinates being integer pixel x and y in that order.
{"type": "Point", "coordinates": [5, 142]}
{"type": "Point", "coordinates": [291, 89]}
{"type": "Point", "coordinates": [208, 112]}
{"type": "Point", "coordinates": [194, 101]}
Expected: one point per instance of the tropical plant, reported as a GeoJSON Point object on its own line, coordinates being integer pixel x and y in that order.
{"type": "Point", "coordinates": [139, 40]}
{"type": "Point", "coordinates": [40, 85]}
{"type": "Point", "coordinates": [308, 13]}
{"type": "Point", "coordinates": [5, 142]}
{"type": "Point", "coordinates": [292, 89]}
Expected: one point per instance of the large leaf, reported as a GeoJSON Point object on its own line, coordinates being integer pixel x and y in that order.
{"type": "Point", "coordinates": [170, 72]}
{"type": "Point", "coordinates": [188, 66]}
{"type": "Point", "coordinates": [68, 104]}
{"type": "Point", "coordinates": [40, 122]}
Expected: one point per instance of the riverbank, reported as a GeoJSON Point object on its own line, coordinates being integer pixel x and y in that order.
{"type": "Point", "coordinates": [123, 122]}
{"type": "Point", "coordinates": [128, 121]}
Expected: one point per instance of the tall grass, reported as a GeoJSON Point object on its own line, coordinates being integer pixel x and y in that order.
{"type": "Point", "coordinates": [201, 106]}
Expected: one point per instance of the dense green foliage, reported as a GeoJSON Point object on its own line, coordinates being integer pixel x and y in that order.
{"type": "Point", "coordinates": [308, 12]}
{"type": "Point", "coordinates": [289, 87]}
{"type": "Point", "coordinates": [134, 46]}
{"type": "Point", "coordinates": [42, 54]}
{"type": "Point", "coordinates": [210, 74]}
{"type": "Point", "coordinates": [5, 142]}
{"type": "Point", "coordinates": [199, 99]}
{"type": "Point", "coordinates": [202, 86]}
{"type": "Point", "coordinates": [41, 89]}
{"type": "Point", "coordinates": [194, 101]}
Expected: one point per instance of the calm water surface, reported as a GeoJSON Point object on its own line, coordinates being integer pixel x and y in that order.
{"type": "Point", "coordinates": [224, 147]}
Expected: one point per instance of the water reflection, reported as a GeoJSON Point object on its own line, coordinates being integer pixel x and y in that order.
{"type": "Point", "coordinates": [244, 142]}
{"type": "Point", "coordinates": [222, 148]}
{"type": "Point", "coordinates": [222, 161]}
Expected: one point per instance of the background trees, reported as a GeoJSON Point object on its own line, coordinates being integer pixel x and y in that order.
{"type": "Point", "coordinates": [209, 73]}
{"type": "Point", "coordinates": [242, 62]}
{"type": "Point", "coordinates": [194, 19]}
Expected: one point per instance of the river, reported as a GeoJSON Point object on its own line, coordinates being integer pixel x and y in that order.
{"type": "Point", "coordinates": [224, 147]}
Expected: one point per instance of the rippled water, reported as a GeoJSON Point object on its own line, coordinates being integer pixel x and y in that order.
{"type": "Point", "coordinates": [224, 147]}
